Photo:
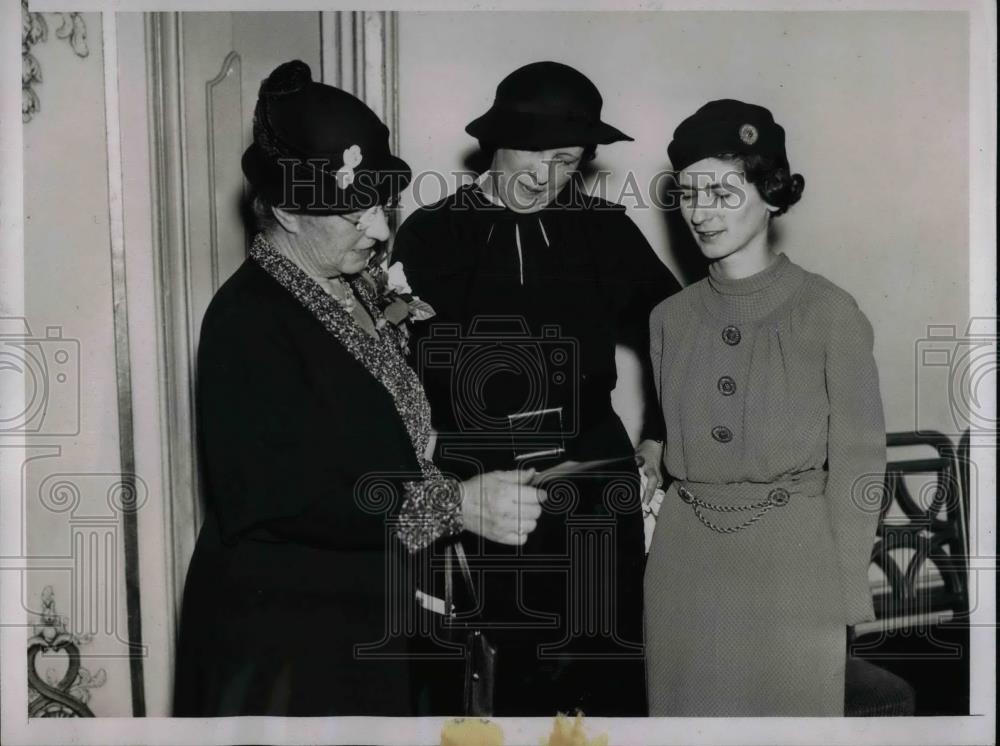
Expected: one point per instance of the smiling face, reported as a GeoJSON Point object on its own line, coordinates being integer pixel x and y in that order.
{"type": "Point", "coordinates": [527, 180]}
{"type": "Point", "coordinates": [331, 245]}
{"type": "Point", "coordinates": [724, 211]}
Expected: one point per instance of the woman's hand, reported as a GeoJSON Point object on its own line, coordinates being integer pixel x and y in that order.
{"type": "Point", "coordinates": [501, 506]}
{"type": "Point", "coordinates": [649, 457]}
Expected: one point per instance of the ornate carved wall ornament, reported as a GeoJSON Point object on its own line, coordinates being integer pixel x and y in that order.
{"type": "Point", "coordinates": [57, 696]}
{"type": "Point", "coordinates": [35, 29]}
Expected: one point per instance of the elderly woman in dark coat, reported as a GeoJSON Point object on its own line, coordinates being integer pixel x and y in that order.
{"type": "Point", "coordinates": [313, 436]}
{"type": "Point", "coordinates": [774, 431]}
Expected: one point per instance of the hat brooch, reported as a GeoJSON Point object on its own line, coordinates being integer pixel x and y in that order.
{"type": "Point", "coordinates": [345, 174]}
{"type": "Point", "coordinates": [748, 134]}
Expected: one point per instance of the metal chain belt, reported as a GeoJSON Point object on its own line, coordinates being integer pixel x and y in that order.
{"type": "Point", "coordinates": [775, 498]}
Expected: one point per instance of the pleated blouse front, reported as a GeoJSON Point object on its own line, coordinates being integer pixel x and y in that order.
{"type": "Point", "coordinates": [768, 376]}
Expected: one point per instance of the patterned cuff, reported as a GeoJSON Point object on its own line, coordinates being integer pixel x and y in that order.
{"type": "Point", "coordinates": [432, 508]}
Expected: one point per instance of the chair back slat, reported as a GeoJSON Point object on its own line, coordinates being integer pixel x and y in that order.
{"type": "Point", "coordinates": [922, 533]}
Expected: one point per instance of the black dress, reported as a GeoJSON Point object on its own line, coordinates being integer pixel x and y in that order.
{"type": "Point", "coordinates": [309, 463]}
{"type": "Point", "coordinates": [529, 310]}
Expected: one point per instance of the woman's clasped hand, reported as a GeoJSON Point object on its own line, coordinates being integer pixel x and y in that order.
{"type": "Point", "coordinates": [502, 506]}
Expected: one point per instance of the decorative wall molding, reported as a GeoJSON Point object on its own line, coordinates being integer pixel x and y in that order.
{"type": "Point", "coordinates": [224, 115]}
{"type": "Point", "coordinates": [123, 364]}
{"type": "Point", "coordinates": [359, 52]}
{"type": "Point", "coordinates": [172, 275]}
{"type": "Point", "coordinates": [49, 694]}
{"type": "Point", "coordinates": [35, 29]}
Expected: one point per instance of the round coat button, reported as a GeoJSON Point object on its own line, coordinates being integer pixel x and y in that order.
{"type": "Point", "coordinates": [731, 335]}
{"type": "Point", "coordinates": [778, 496]}
{"type": "Point", "coordinates": [722, 434]}
{"type": "Point", "coordinates": [727, 386]}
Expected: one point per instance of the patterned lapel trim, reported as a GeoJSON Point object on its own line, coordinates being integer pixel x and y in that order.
{"type": "Point", "coordinates": [381, 357]}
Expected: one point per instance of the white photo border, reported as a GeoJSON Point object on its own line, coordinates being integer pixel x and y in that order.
{"type": "Point", "coordinates": [977, 728]}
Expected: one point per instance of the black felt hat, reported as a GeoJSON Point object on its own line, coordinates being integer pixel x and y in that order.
{"type": "Point", "coordinates": [545, 105]}
{"type": "Point", "coordinates": [727, 126]}
{"type": "Point", "coordinates": [318, 149]}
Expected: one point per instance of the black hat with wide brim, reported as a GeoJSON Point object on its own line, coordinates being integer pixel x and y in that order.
{"type": "Point", "coordinates": [545, 105]}
{"type": "Point", "coordinates": [318, 149]}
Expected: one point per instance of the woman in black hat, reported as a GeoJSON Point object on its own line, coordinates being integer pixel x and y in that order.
{"type": "Point", "coordinates": [775, 435]}
{"type": "Point", "coordinates": [313, 431]}
{"type": "Point", "coordinates": [534, 283]}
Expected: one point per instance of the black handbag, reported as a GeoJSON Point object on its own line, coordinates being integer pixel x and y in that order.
{"type": "Point", "coordinates": [480, 654]}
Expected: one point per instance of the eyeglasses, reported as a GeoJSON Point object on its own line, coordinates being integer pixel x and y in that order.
{"type": "Point", "coordinates": [361, 221]}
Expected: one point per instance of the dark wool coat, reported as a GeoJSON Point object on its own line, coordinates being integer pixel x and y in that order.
{"type": "Point", "coordinates": [290, 572]}
{"type": "Point", "coordinates": [529, 311]}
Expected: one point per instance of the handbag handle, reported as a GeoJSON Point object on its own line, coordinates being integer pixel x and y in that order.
{"type": "Point", "coordinates": [463, 563]}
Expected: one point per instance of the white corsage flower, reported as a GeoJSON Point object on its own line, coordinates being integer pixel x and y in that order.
{"type": "Point", "coordinates": [397, 281]}
{"type": "Point", "coordinates": [345, 174]}
{"type": "Point", "coordinates": [396, 299]}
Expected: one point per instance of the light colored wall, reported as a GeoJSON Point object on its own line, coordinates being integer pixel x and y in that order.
{"type": "Point", "coordinates": [67, 268]}
{"type": "Point", "coordinates": [68, 284]}
{"type": "Point", "coordinates": [875, 105]}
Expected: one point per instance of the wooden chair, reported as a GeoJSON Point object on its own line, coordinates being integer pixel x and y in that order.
{"type": "Point", "coordinates": [922, 550]}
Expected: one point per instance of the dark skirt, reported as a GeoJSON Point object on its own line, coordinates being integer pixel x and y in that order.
{"type": "Point", "coordinates": [288, 630]}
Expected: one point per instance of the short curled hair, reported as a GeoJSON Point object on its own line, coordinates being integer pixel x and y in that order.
{"type": "Point", "coordinates": [263, 214]}
{"type": "Point", "coordinates": [775, 182]}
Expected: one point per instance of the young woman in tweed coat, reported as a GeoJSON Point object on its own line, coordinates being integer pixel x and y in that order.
{"type": "Point", "coordinates": [775, 437]}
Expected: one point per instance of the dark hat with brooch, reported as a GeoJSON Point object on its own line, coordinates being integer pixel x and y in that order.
{"type": "Point", "coordinates": [318, 149]}
{"type": "Point", "coordinates": [545, 105]}
{"type": "Point", "coordinates": [727, 126]}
